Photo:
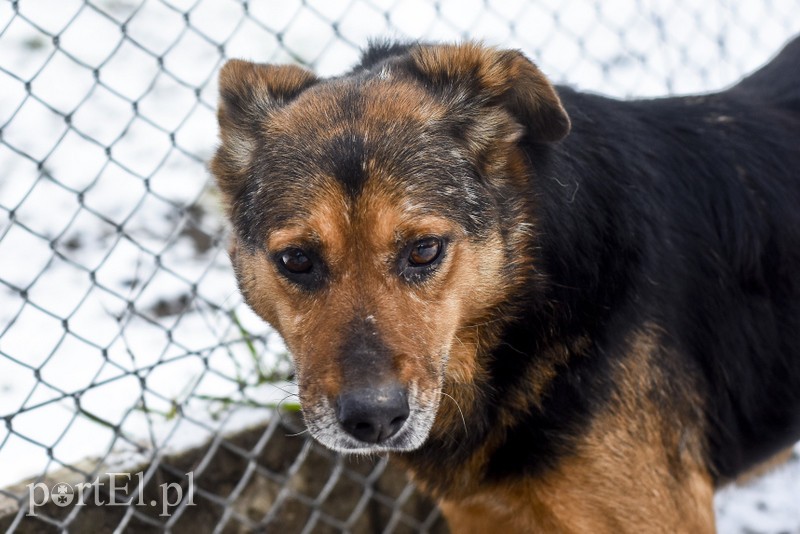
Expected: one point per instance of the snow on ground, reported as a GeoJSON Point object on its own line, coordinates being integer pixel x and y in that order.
{"type": "Point", "coordinates": [116, 298]}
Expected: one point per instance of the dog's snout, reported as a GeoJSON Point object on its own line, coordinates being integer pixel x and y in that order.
{"type": "Point", "coordinates": [373, 415]}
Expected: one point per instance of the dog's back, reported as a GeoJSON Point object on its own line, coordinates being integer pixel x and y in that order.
{"type": "Point", "coordinates": [778, 82]}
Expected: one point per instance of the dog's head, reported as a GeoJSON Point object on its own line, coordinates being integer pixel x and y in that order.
{"type": "Point", "coordinates": [378, 222]}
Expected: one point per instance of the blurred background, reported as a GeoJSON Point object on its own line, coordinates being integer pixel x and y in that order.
{"type": "Point", "coordinates": [123, 342]}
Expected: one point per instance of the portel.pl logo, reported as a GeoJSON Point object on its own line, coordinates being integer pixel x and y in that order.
{"type": "Point", "coordinates": [116, 494]}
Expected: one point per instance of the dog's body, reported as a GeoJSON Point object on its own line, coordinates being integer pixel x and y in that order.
{"type": "Point", "coordinates": [610, 318]}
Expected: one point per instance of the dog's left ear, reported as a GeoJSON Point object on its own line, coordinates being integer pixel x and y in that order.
{"type": "Point", "coordinates": [470, 74]}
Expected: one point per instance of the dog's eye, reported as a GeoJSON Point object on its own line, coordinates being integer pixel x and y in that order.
{"type": "Point", "coordinates": [296, 261]}
{"type": "Point", "coordinates": [303, 267]}
{"type": "Point", "coordinates": [425, 251]}
{"type": "Point", "coordinates": [420, 259]}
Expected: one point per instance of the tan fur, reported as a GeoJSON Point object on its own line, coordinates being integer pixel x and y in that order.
{"type": "Point", "coordinates": [359, 243]}
{"type": "Point", "coordinates": [636, 470]}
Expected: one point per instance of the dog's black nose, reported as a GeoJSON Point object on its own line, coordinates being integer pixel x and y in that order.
{"type": "Point", "coordinates": [373, 415]}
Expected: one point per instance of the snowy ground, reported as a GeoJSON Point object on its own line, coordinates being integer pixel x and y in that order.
{"type": "Point", "coordinates": [113, 286]}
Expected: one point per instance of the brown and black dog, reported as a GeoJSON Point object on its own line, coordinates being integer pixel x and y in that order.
{"type": "Point", "coordinates": [563, 312]}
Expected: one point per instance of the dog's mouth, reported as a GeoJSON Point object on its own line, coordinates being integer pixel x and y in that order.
{"type": "Point", "coordinates": [375, 422]}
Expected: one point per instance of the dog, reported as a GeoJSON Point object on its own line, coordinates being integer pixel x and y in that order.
{"type": "Point", "coordinates": [561, 312]}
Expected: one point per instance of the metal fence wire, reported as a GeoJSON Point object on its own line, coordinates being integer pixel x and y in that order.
{"type": "Point", "coordinates": [124, 345]}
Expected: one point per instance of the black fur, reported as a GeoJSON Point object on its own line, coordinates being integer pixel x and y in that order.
{"type": "Point", "coordinates": [699, 199]}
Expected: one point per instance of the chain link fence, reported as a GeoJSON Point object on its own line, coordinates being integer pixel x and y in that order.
{"type": "Point", "coordinates": [124, 346]}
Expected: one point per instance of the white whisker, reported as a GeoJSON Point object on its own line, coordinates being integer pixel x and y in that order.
{"type": "Point", "coordinates": [463, 420]}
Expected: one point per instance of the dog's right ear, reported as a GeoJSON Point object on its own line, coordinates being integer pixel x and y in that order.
{"type": "Point", "coordinates": [249, 92]}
